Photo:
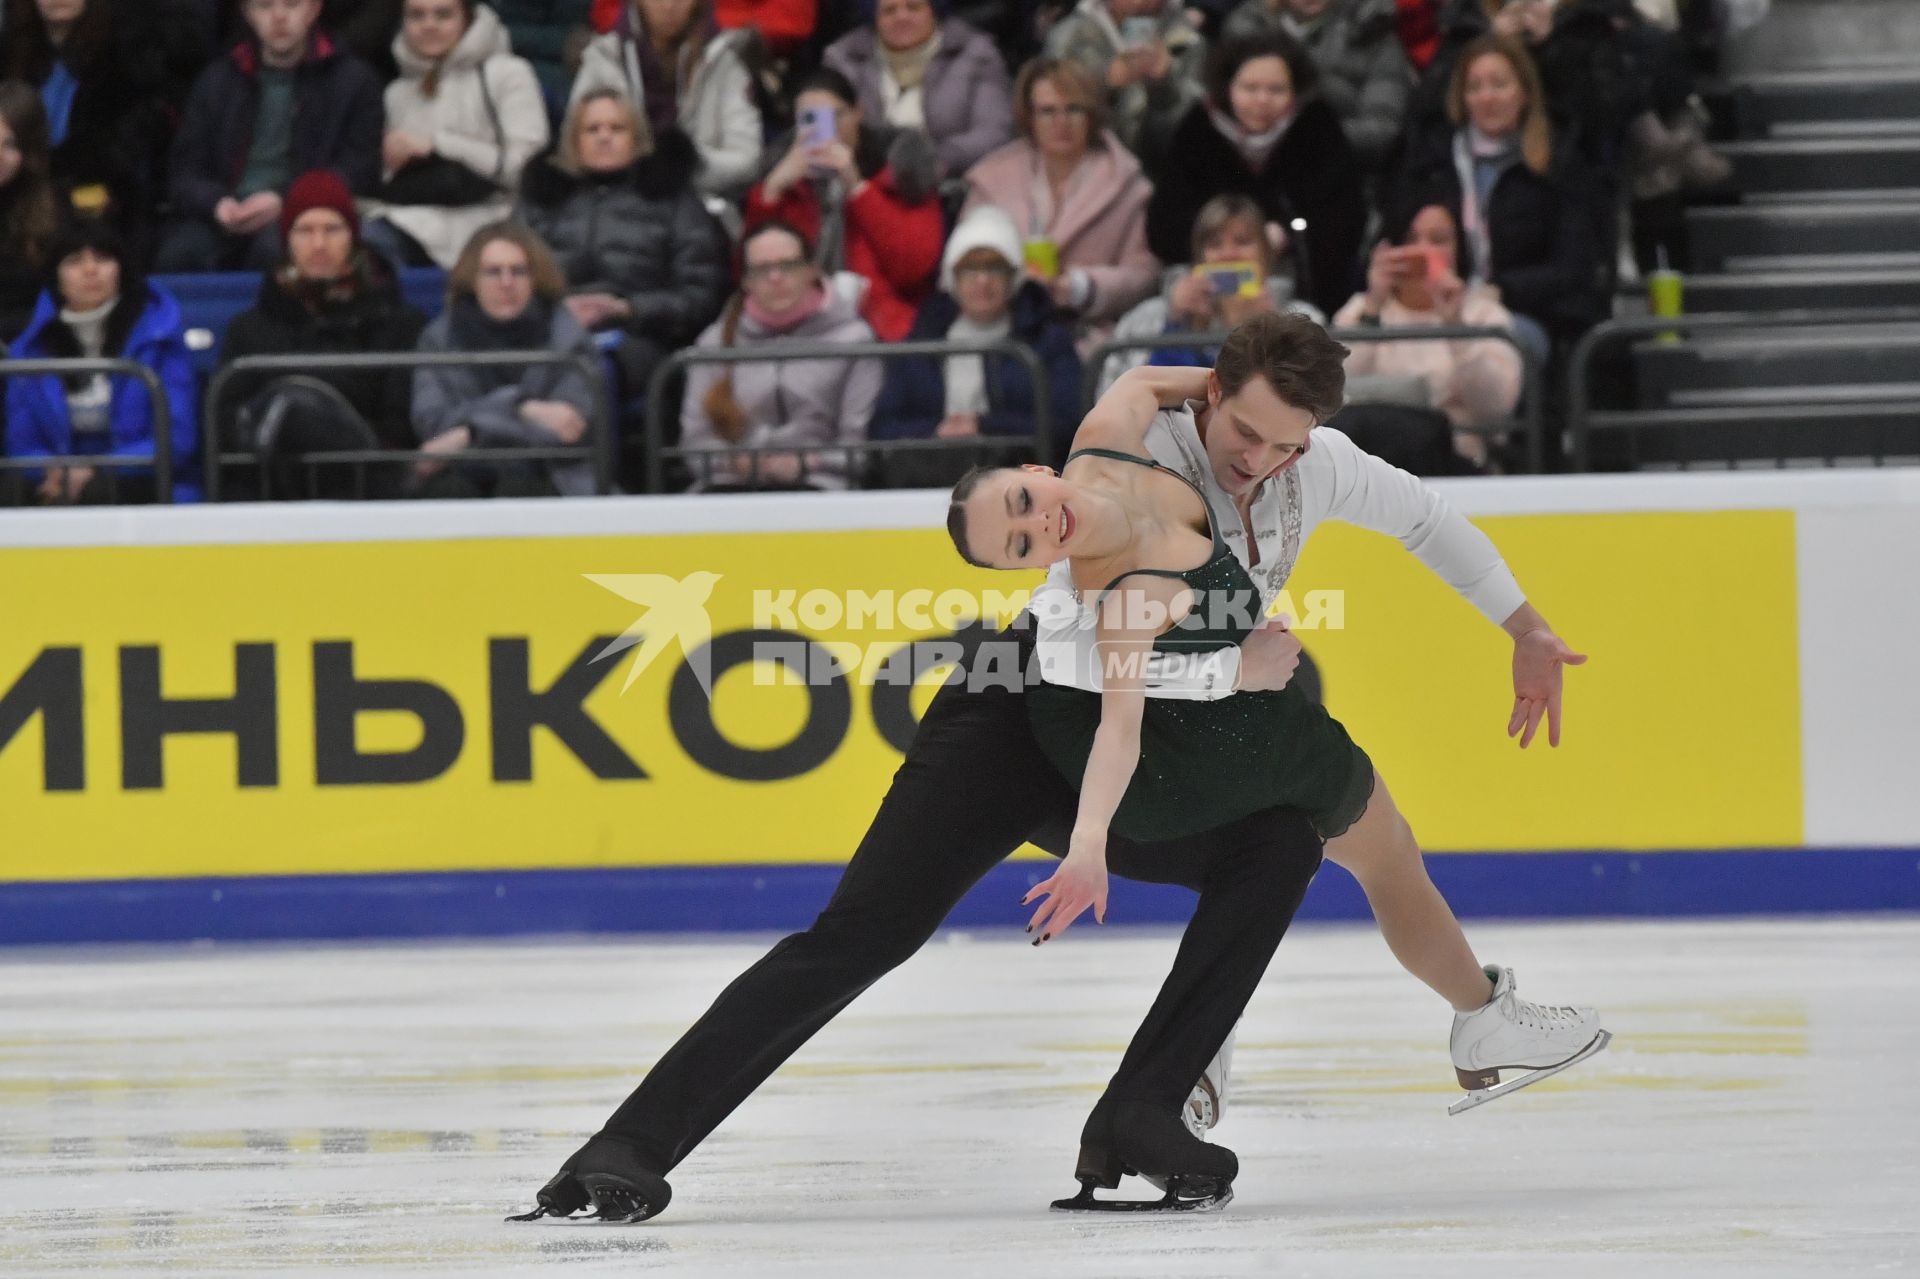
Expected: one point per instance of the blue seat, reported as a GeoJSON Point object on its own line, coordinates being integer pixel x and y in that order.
{"type": "Point", "coordinates": [426, 288]}
{"type": "Point", "coordinates": [209, 301]}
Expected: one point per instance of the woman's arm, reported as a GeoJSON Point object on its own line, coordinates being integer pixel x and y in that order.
{"type": "Point", "coordinates": [1131, 618]}
{"type": "Point", "coordinates": [1120, 418]}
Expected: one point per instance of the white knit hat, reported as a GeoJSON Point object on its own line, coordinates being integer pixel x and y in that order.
{"type": "Point", "coordinates": [987, 227]}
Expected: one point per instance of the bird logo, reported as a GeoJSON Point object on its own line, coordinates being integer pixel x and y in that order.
{"type": "Point", "coordinates": [671, 609]}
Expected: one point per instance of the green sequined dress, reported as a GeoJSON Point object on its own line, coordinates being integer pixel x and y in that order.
{"type": "Point", "coordinates": [1206, 763]}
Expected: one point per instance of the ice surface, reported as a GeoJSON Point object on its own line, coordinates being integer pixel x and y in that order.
{"type": "Point", "coordinates": [272, 1110]}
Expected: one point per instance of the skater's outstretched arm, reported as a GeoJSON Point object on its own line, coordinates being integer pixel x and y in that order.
{"type": "Point", "coordinates": [1131, 616]}
{"type": "Point", "coordinates": [1361, 489]}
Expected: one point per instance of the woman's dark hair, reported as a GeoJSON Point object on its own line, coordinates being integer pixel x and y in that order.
{"type": "Point", "coordinates": [28, 209]}
{"type": "Point", "coordinates": [1224, 63]}
{"type": "Point", "coordinates": [1397, 218]}
{"type": "Point", "coordinates": [827, 80]}
{"type": "Point", "coordinates": [759, 229]}
{"type": "Point", "coordinates": [76, 235]}
{"type": "Point", "coordinates": [30, 52]}
{"type": "Point", "coordinates": [1304, 366]}
{"type": "Point", "coordinates": [957, 511]}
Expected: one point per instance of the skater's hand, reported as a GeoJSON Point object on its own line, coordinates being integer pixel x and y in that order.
{"type": "Point", "coordinates": [1269, 656]}
{"type": "Point", "coordinates": [1080, 882]}
{"type": "Point", "coordinates": [1538, 656]}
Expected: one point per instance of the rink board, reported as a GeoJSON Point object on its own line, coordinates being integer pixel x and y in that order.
{"type": "Point", "coordinates": [401, 729]}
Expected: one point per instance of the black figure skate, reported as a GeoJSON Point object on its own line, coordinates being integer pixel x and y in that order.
{"type": "Point", "coordinates": [607, 1176]}
{"type": "Point", "coordinates": [1144, 1142]}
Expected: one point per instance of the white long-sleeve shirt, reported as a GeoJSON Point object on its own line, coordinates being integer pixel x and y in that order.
{"type": "Point", "coordinates": [1336, 480]}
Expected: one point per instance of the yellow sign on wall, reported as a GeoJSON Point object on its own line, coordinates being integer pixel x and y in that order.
{"type": "Point", "coordinates": [425, 705]}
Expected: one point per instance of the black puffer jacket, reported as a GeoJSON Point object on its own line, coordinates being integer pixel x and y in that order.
{"type": "Point", "coordinates": [1312, 176]}
{"type": "Point", "coordinates": [372, 317]}
{"type": "Point", "coordinates": [641, 234]}
{"type": "Point", "coordinates": [1547, 233]}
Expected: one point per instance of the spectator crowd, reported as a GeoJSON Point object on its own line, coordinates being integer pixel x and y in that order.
{"type": "Point", "coordinates": [595, 185]}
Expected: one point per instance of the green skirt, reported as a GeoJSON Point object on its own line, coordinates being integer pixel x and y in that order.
{"type": "Point", "coordinates": [1204, 764]}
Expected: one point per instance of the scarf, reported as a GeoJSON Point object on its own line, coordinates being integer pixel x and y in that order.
{"type": "Point", "coordinates": [780, 323]}
{"type": "Point", "coordinates": [320, 296]}
{"type": "Point", "coordinates": [474, 330]}
{"type": "Point", "coordinates": [89, 397]}
{"type": "Point", "coordinates": [1254, 148]}
{"type": "Point", "coordinates": [966, 375]}
{"type": "Point", "coordinates": [908, 67]}
{"type": "Point", "coordinates": [1478, 162]}
{"type": "Point", "coordinates": [90, 327]}
{"type": "Point", "coordinates": [903, 84]}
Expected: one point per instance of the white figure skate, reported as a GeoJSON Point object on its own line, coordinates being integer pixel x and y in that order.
{"type": "Point", "coordinates": [1510, 1033]}
{"type": "Point", "coordinates": [1208, 1101]}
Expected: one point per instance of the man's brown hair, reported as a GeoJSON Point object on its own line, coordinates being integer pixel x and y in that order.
{"type": "Point", "coordinates": [1304, 366]}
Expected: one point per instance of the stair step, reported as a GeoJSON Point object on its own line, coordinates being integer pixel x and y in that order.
{"type": "Point", "coordinates": [1748, 235]}
{"type": "Point", "coordinates": [1790, 103]}
{"type": "Point", "coordinates": [1825, 164]}
{"type": "Point", "coordinates": [1835, 197]}
{"type": "Point", "coordinates": [1849, 394]}
{"type": "Point", "coordinates": [1778, 263]}
{"type": "Point", "coordinates": [1901, 130]}
{"type": "Point", "coordinates": [1857, 369]}
{"type": "Point", "coordinates": [1802, 290]}
{"type": "Point", "coordinates": [1746, 433]}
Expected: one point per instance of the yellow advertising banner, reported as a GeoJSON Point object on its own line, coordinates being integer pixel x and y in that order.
{"type": "Point", "coordinates": [409, 705]}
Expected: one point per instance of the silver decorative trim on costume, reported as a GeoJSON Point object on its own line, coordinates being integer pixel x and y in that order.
{"type": "Point", "coordinates": [1290, 518]}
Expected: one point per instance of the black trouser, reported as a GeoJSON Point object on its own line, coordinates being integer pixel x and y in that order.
{"type": "Point", "coordinates": [973, 787]}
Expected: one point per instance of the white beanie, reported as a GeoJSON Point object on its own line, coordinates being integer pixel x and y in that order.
{"type": "Point", "coordinates": [987, 227]}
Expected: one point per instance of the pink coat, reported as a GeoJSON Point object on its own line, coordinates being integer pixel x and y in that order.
{"type": "Point", "coordinates": [1101, 226]}
{"type": "Point", "coordinates": [1472, 381]}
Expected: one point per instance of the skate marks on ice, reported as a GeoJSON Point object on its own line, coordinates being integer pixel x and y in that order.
{"type": "Point", "coordinates": [256, 1110]}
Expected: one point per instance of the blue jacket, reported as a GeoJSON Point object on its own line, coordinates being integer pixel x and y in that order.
{"type": "Point", "coordinates": [913, 398]}
{"type": "Point", "coordinates": [37, 420]}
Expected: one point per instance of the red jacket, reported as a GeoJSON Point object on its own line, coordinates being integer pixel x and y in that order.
{"type": "Point", "coordinates": [782, 23]}
{"type": "Point", "coordinates": [1418, 22]}
{"type": "Point", "coordinates": [894, 245]}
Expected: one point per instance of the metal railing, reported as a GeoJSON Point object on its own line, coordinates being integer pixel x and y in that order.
{"type": "Point", "coordinates": [1531, 422]}
{"type": "Point", "coordinates": [781, 352]}
{"type": "Point", "coordinates": [162, 412]}
{"type": "Point", "coordinates": [597, 448]}
{"type": "Point", "coordinates": [1583, 419]}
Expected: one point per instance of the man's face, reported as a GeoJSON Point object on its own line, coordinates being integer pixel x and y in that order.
{"type": "Point", "coordinates": [282, 25]}
{"type": "Point", "coordinates": [321, 245]}
{"type": "Point", "coordinates": [1253, 435]}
